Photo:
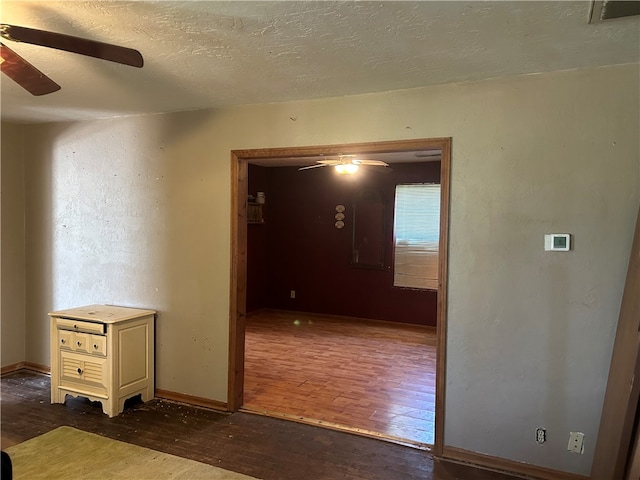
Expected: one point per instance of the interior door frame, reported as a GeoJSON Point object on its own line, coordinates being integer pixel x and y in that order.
{"type": "Point", "coordinates": [238, 284]}
{"type": "Point", "coordinates": [621, 406]}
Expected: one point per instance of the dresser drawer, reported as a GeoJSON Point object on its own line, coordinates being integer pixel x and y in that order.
{"type": "Point", "coordinates": [83, 372]}
{"type": "Point", "coordinates": [98, 345]}
{"type": "Point", "coordinates": [81, 342]}
{"type": "Point", "coordinates": [80, 326]}
{"type": "Point", "coordinates": [65, 339]}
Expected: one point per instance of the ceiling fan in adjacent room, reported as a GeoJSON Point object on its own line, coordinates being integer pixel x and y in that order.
{"type": "Point", "coordinates": [346, 164]}
{"type": "Point", "coordinates": [36, 82]}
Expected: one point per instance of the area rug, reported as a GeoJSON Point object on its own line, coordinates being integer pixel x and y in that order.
{"type": "Point", "coordinates": [71, 454]}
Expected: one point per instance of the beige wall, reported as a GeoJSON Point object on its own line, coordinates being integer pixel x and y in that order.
{"type": "Point", "coordinates": [135, 211]}
{"type": "Point", "coordinates": [12, 251]}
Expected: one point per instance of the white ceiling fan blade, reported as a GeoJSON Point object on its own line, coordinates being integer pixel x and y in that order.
{"type": "Point", "coordinates": [314, 166]}
{"type": "Point", "coordinates": [378, 163]}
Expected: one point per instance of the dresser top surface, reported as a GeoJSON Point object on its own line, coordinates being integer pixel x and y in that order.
{"type": "Point", "coordinates": [102, 313]}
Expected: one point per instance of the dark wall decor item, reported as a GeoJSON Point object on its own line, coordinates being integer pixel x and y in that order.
{"type": "Point", "coordinates": [367, 248]}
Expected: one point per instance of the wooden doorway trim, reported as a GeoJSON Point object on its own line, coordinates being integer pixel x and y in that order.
{"type": "Point", "coordinates": [238, 284]}
{"type": "Point", "coordinates": [620, 409]}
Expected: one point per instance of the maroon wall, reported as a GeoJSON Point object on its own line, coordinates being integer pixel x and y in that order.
{"type": "Point", "coordinates": [257, 246]}
{"type": "Point", "coordinates": [298, 247]}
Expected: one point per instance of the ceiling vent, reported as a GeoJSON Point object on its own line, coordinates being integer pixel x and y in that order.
{"type": "Point", "coordinates": [602, 10]}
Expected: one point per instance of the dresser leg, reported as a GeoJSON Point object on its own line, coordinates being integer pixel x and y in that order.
{"type": "Point", "coordinates": [110, 407]}
{"type": "Point", "coordinates": [147, 394]}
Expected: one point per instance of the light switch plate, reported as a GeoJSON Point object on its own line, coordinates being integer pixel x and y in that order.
{"type": "Point", "coordinates": [557, 242]}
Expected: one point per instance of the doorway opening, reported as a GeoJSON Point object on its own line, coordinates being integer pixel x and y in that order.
{"type": "Point", "coordinates": [242, 211]}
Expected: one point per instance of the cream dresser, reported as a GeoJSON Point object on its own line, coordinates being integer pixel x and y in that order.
{"type": "Point", "coordinates": [104, 353]}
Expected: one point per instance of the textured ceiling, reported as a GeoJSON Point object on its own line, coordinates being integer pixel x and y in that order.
{"type": "Point", "coordinates": [202, 54]}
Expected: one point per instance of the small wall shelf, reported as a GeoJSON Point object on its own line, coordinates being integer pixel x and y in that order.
{"type": "Point", "coordinates": [255, 213]}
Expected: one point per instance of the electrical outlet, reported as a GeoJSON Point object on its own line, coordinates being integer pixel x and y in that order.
{"type": "Point", "coordinates": [293, 294]}
{"type": "Point", "coordinates": [541, 435]}
{"type": "Point", "coordinates": [576, 442]}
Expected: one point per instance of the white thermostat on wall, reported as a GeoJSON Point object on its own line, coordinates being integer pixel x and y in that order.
{"type": "Point", "coordinates": [557, 242]}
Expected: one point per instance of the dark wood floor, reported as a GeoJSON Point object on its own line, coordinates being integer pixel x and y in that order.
{"type": "Point", "coordinates": [260, 446]}
{"type": "Point", "coordinates": [372, 377]}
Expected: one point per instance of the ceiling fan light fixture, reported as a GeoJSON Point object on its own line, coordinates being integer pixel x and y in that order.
{"type": "Point", "coordinates": [346, 168]}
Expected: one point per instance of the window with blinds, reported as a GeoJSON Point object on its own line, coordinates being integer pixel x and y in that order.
{"type": "Point", "coordinates": [416, 230]}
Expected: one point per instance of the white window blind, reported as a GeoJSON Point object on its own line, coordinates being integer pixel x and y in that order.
{"type": "Point", "coordinates": [416, 227]}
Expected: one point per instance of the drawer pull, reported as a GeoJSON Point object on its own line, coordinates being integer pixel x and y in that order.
{"type": "Point", "coordinates": [79, 344]}
{"type": "Point", "coordinates": [75, 326]}
{"type": "Point", "coordinates": [79, 371]}
{"type": "Point", "coordinates": [62, 340]}
{"type": "Point", "coordinates": [95, 345]}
